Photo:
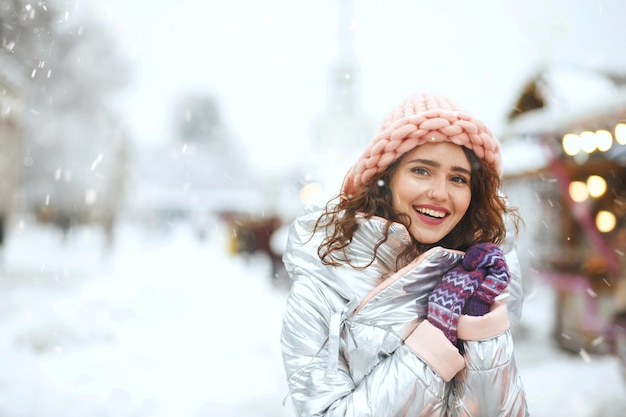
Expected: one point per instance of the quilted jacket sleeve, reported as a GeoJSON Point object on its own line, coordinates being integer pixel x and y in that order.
{"type": "Point", "coordinates": [490, 385]}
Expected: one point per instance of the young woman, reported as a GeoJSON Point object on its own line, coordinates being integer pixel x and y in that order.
{"type": "Point", "coordinates": [402, 290]}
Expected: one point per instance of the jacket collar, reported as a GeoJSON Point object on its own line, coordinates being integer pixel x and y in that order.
{"type": "Point", "coordinates": [372, 230]}
{"type": "Point", "coordinates": [351, 283]}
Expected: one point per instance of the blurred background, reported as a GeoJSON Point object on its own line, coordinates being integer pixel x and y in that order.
{"type": "Point", "coordinates": [154, 153]}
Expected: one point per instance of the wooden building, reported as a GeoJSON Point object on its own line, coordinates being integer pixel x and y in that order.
{"type": "Point", "coordinates": [578, 238]}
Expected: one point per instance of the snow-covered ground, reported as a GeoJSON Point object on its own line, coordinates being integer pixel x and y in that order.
{"type": "Point", "coordinates": [166, 325]}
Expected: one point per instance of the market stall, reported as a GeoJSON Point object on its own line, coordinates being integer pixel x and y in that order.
{"type": "Point", "coordinates": [579, 244]}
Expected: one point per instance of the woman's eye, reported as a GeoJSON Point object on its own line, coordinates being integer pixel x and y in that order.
{"type": "Point", "coordinates": [460, 180]}
{"type": "Point", "coordinates": [420, 171]}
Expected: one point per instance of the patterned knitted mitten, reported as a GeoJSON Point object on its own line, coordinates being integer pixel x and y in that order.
{"type": "Point", "coordinates": [447, 300]}
{"type": "Point", "coordinates": [488, 258]}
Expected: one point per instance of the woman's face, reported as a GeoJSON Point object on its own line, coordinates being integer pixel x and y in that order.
{"type": "Point", "coordinates": [432, 186]}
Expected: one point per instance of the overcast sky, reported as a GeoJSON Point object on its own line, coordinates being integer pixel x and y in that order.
{"type": "Point", "coordinates": [267, 61]}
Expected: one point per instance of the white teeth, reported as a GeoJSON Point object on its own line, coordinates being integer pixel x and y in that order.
{"type": "Point", "coordinates": [431, 213]}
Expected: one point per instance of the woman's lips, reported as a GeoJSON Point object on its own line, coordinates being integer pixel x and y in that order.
{"type": "Point", "coordinates": [431, 215]}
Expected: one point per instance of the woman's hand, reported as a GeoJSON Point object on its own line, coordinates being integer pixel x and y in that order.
{"type": "Point", "coordinates": [447, 300]}
{"type": "Point", "coordinates": [489, 259]}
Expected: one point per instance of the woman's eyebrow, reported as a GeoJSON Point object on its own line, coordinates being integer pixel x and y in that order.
{"type": "Point", "coordinates": [435, 164]}
{"type": "Point", "coordinates": [462, 170]}
{"type": "Point", "coordinates": [428, 162]}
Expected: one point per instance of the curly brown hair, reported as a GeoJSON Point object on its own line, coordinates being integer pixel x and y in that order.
{"type": "Point", "coordinates": [483, 221]}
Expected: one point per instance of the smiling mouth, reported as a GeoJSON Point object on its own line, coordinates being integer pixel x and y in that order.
{"type": "Point", "coordinates": [435, 214]}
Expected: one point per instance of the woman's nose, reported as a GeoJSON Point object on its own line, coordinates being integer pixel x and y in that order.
{"type": "Point", "coordinates": [437, 191]}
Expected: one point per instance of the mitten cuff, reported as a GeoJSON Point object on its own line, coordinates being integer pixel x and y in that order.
{"type": "Point", "coordinates": [433, 347]}
{"type": "Point", "coordinates": [476, 307]}
{"type": "Point", "coordinates": [484, 327]}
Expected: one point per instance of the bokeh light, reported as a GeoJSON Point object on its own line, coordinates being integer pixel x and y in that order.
{"type": "Point", "coordinates": [596, 185]}
{"type": "Point", "coordinates": [578, 191]}
{"type": "Point", "coordinates": [588, 141]}
{"type": "Point", "coordinates": [605, 221]}
{"type": "Point", "coordinates": [571, 144]}
{"type": "Point", "coordinates": [604, 140]}
{"type": "Point", "coordinates": [620, 133]}
{"type": "Point", "coordinates": [310, 192]}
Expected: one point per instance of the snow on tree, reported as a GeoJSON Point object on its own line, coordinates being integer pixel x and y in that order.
{"type": "Point", "coordinates": [72, 72]}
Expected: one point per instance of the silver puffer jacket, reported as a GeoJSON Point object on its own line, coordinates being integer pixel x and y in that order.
{"type": "Point", "coordinates": [356, 344]}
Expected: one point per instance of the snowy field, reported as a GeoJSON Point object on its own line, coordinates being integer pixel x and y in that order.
{"type": "Point", "coordinates": [166, 325]}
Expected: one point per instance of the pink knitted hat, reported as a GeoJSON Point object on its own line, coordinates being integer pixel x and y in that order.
{"type": "Point", "coordinates": [419, 119]}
